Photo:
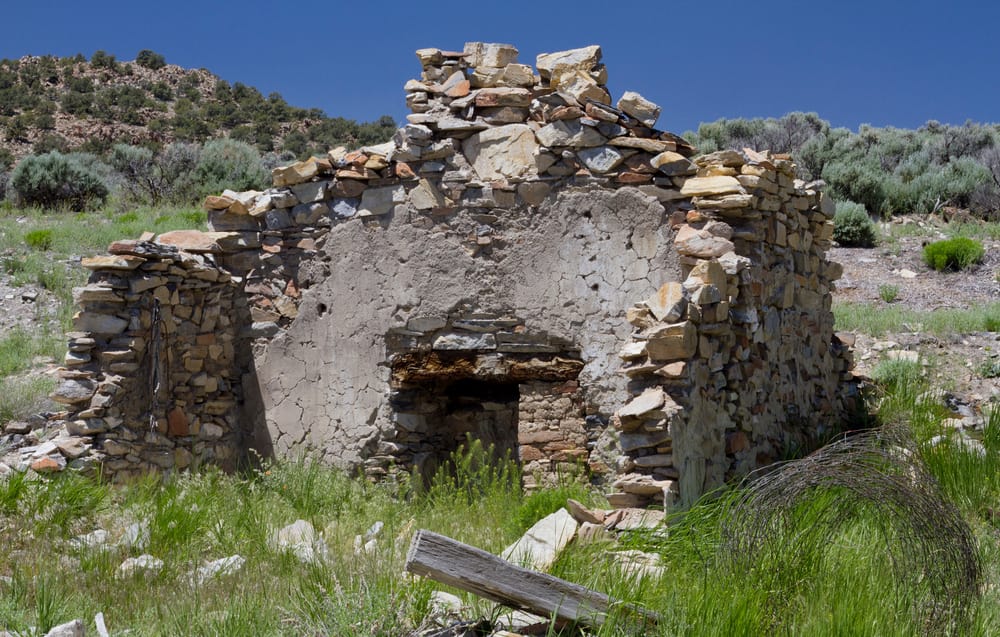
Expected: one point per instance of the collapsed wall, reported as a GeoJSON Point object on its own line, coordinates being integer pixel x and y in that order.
{"type": "Point", "coordinates": [467, 280]}
{"type": "Point", "coordinates": [154, 375]}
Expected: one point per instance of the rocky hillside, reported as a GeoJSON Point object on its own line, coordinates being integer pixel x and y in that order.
{"type": "Point", "coordinates": [49, 103]}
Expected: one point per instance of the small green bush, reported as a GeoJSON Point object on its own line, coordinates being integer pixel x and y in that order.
{"type": "Point", "coordinates": [852, 226]}
{"type": "Point", "coordinates": [956, 253]}
{"type": "Point", "coordinates": [54, 180]}
{"type": "Point", "coordinates": [150, 59]}
{"type": "Point", "coordinates": [990, 368]}
{"type": "Point", "coordinates": [888, 293]}
{"type": "Point", "coordinates": [40, 239]}
{"type": "Point", "coordinates": [894, 374]}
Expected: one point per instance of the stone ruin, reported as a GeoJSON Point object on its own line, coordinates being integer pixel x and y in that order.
{"type": "Point", "coordinates": [524, 263]}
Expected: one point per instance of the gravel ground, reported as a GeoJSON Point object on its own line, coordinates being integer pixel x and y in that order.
{"type": "Point", "coordinates": [920, 288]}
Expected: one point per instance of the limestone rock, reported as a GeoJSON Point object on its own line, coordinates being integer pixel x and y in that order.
{"type": "Point", "coordinates": [74, 628]}
{"type": "Point", "coordinates": [300, 538]}
{"type": "Point", "coordinates": [503, 96]}
{"type": "Point", "coordinates": [71, 392]}
{"type": "Point", "coordinates": [668, 303]}
{"type": "Point", "coordinates": [297, 173]}
{"type": "Point", "coordinates": [711, 186]}
{"type": "Point", "coordinates": [649, 400]}
{"type": "Point", "coordinates": [220, 568]}
{"type": "Point", "coordinates": [582, 514]}
{"type": "Point", "coordinates": [460, 342]}
{"type": "Point", "coordinates": [144, 565]}
{"type": "Point", "coordinates": [580, 84]}
{"type": "Point", "coordinates": [639, 107]}
{"type": "Point", "coordinates": [569, 133]}
{"type": "Point", "coordinates": [648, 145]}
{"type": "Point", "coordinates": [583, 59]}
{"type": "Point", "coordinates": [376, 202]}
{"type": "Point", "coordinates": [212, 242]}
{"type": "Point", "coordinates": [102, 324]}
{"type": "Point", "coordinates": [112, 262]}
{"type": "Point", "coordinates": [503, 152]}
{"type": "Point", "coordinates": [672, 342]}
{"type": "Point", "coordinates": [673, 164]}
{"type": "Point", "coordinates": [700, 243]}
{"type": "Point", "coordinates": [540, 545]}
{"type": "Point", "coordinates": [426, 196]}
{"type": "Point", "coordinates": [489, 54]}
{"type": "Point", "coordinates": [600, 159]}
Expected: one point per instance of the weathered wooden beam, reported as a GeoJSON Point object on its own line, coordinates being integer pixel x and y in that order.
{"type": "Point", "coordinates": [470, 569]}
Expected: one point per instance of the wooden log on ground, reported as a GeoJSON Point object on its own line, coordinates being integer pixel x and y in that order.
{"type": "Point", "coordinates": [470, 569]}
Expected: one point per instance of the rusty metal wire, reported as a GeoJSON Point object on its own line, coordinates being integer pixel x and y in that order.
{"type": "Point", "coordinates": [802, 508]}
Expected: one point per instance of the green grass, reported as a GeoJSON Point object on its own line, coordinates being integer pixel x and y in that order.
{"type": "Point", "coordinates": [89, 233]}
{"type": "Point", "coordinates": [842, 585]}
{"type": "Point", "coordinates": [20, 397]}
{"type": "Point", "coordinates": [41, 248]}
{"type": "Point", "coordinates": [877, 320]}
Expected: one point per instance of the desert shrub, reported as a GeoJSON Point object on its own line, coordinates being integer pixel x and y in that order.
{"type": "Point", "coordinates": [896, 374]}
{"type": "Point", "coordinates": [852, 226]}
{"type": "Point", "coordinates": [854, 181]}
{"type": "Point", "coordinates": [177, 163]}
{"type": "Point", "coordinates": [4, 183]}
{"type": "Point", "coordinates": [956, 253]}
{"type": "Point", "coordinates": [150, 59]}
{"type": "Point", "coordinates": [50, 142]}
{"type": "Point", "coordinates": [6, 159]}
{"type": "Point", "coordinates": [227, 163]}
{"type": "Point", "coordinates": [162, 91]}
{"type": "Point", "coordinates": [54, 180]}
{"type": "Point", "coordinates": [990, 368]}
{"type": "Point", "coordinates": [141, 178]}
{"type": "Point", "coordinates": [40, 239]}
{"type": "Point", "coordinates": [76, 103]}
{"type": "Point", "coordinates": [155, 178]}
{"type": "Point", "coordinates": [103, 59]}
{"type": "Point", "coordinates": [888, 292]}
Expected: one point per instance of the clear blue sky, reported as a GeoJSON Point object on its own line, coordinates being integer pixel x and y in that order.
{"type": "Point", "coordinates": [898, 63]}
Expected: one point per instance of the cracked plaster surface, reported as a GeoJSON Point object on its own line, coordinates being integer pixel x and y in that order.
{"type": "Point", "coordinates": [568, 268]}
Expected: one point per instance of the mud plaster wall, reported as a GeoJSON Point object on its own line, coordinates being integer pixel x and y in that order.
{"type": "Point", "coordinates": [558, 271]}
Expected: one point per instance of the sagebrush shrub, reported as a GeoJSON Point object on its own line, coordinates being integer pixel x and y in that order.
{"type": "Point", "coordinates": [956, 253]}
{"type": "Point", "coordinates": [228, 163]}
{"type": "Point", "coordinates": [54, 180]}
{"type": "Point", "coordinates": [852, 226]}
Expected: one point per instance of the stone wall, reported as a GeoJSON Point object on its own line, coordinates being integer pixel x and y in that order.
{"type": "Point", "coordinates": [468, 279]}
{"type": "Point", "coordinates": [154, 376]}
{"type": "Point", "coordinates": [736, 364]}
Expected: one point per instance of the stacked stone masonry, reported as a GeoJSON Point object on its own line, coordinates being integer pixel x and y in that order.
{"type": "Point", "coordinates": [153, 380]}
{"type": "Point", "coordinates": [467, 279]}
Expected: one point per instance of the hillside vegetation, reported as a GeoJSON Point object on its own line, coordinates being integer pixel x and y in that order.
{"type": "Point", "coordinates": [889, 171]}
{"type": "Point", "coordinates": [74, 104]}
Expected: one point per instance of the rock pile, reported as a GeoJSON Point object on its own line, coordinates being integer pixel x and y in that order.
{"type": "Point", "coordinates": [739, 360]}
